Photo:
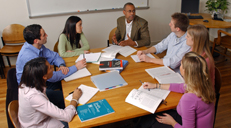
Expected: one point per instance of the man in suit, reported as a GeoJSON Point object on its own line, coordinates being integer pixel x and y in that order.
{"type": "Point", "coordinates": [131, 29]}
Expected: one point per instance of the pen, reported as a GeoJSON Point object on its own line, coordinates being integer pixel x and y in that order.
{"type": "Point", "coordinates": [142, 83]}
{"type": "Point", "coordinates": [83, 56]}
{"type": "Point", "coordinates": [71, 92]}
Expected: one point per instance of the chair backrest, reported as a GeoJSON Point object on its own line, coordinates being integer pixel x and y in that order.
{"type": "Point", "coordinates": [110, 35]}
{"type": "Point", "coordinates": [13, 34]}
{"type": "Point", "coordinates": [56, 47]}
{"type": "Point", "coordinates": [13, 113]}
{"type": "Point", "coordinates": [217, 80]}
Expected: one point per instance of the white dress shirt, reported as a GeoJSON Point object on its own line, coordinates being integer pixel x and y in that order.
{"type": "Point", "coordinates": [129, 30]}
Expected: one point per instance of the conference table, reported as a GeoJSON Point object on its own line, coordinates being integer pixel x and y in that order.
{"type": "Point", "coordinates": [116, 97]}
{"type": "Point", "coordinates": [212, 23]}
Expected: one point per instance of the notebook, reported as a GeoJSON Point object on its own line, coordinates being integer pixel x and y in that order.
{"type": "Point", "coordinates": [136, 58]}
{"type": "Point", "coordinates": [91, 57]}
{"type": "Point", "coordinates": [87, 93]}
{"type": "Point", "coordinates": [108, 81]}
{"type": "Point", "coordinates": [78, 74]}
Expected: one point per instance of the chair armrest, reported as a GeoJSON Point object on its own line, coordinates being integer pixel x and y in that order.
{"type": "Point", "coordinates": [219, 35]}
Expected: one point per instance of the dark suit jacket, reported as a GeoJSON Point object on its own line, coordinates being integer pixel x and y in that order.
{"type": "Point", "coordinates": [139, 32]}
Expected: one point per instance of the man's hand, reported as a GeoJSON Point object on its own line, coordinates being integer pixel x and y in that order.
{"type": "Point", "coordinates": [114, 39]}
{"type": "Point", "coordinates": [139, 53]}
{"type": "Point", "coordinates": [81, 64]}
{"type": "Point", "coordinates": [128, 42]}
{"type": "Point", "coordinates": [144, 58]}
{"type": "Point", "coordinates": [64, 69]}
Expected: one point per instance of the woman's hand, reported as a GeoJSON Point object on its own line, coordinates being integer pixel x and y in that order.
{"type": "Point", "coordinates": [166, 119]}
{"type": "Point", "coordinates": [77, 94]}
{"type": "Point", "coordinates": [86, 52]}
{"type": "Point", "coordinates": [147, 85]}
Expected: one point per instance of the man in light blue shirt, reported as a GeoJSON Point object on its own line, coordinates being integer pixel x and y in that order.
{"type": "Point", "coordinates": [175, 44]}
{"type": "Point", "coordinates": [33, 48]}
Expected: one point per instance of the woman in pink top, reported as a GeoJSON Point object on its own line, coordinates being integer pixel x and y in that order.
{"type": "Point", "coordinates": [35, 109]}
{"type": "Point", "coordinates": [196, 107]}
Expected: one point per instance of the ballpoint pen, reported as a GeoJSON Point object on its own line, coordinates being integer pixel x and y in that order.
{"type": "Point", "coordinates": [83, 56]}
{"type": "Point", "coordinates": [142, 83]}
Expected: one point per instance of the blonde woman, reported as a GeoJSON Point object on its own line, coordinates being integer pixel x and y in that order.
{"type": "Point", "coordinates": [196, 107]}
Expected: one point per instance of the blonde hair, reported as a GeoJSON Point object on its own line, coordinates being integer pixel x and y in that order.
{"type": "Point", "coordinates": [197, 78]}
{"type": "Point", "coordinates": [200, 36]}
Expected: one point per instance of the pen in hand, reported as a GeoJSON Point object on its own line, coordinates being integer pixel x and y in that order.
{"type": "Point", "coordinates": [83, 56]}
{"type": "Point", "coordinates": [142, 83]}
{"type": "Point", "coordinates": [71, 92]}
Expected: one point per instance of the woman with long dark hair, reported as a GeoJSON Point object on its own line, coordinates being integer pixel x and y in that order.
{"type": "Point", "coordinates": [35, 109]}
{"type": "Point", "coordinates": [72, 41]}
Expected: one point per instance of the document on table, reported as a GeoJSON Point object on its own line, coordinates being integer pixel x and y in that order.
{"type": "Point", "coordinates": [136, 58]}
{"type": "Point", "coordinates": [90, 57]}
{"type": "Point", "coordinates": [107, 56]}
{"type": "Point", "coordinates": [87, 94]}
{"type": "Point", "coordinates": [123, 50]}
{"type": "Point", "coordinates": [78, 74]}
{"type": "Point", "coordinates": [165, 75]}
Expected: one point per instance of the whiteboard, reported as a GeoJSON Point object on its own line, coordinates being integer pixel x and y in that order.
{"type": "Point", "coordinates": [38, 8]}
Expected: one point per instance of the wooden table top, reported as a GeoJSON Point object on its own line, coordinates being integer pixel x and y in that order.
{"type": "Point", "coordinates": [116, 97]}
{"type": "Point", "coordinates": [212, 23]}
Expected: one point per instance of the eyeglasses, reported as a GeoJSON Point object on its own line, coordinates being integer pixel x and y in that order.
{"type": "Point", "coordinates": [130, 11]}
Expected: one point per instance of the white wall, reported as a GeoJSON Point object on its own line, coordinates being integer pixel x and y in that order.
{"type": "Point", "coordinates": [96, 26]}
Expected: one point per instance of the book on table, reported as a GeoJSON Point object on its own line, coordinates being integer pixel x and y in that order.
{"type": "Point", "coordinates": [94, 110]}
{"type": "Point", "coordinates": [165, 75]}
{"type": "Point", "coordinates": [110, 65]}
{"type": "Point", "coordinates": [148, 100]}
{"type": "Point", "coordinates": [136, 58]}
{"type": "Point", "coordinates": [125, 63]}
{"type": "Point", "coordinates": [108, 81]}
{"type": "Point", "coordinates": [87, 93]}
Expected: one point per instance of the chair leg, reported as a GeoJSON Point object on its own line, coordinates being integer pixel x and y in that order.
{"type": "Point", "coordinates": [8, 60]}
{"type": "Point", "coordinates": [2, 66]}
{"type": "Point", "coordinates": [216, 105]}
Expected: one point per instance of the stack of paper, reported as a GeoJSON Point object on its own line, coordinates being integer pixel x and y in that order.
{"type": "Point", "coordinates": [91, 57]}
{"type": "Point", "coordinates": [165, 75]}
{"type": "Point", "coordinates": [87, 94]}
{"type": "Point", "coordinates": [136, 58]}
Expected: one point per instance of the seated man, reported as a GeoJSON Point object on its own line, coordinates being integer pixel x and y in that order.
{"type": "Point", "coordinates": [175, 44]}
{"type": "Point", "coordinates": [131, 29]}
{"type": "Point", "coordinates": [36, 37]}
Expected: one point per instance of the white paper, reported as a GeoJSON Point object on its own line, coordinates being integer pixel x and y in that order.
{"type": "Point", "coordinates": [143, 100]}
{"type": "Point", "coordinates": [136, 58]}
{"type": "Point", "coordinates": [106, 56]}
{"type": "Point", "coordinates": [123, 50]}
{"type": "Point", "coordinates": [90, 57]}
{"type": "Point", "coordinates": [165, 75]}
{"type": "Point", "coordinates": [87, 94]}
{"type": "Point", "coordinates": [78, 74]}
{"type": "Point", "coordinates": [160, 93]}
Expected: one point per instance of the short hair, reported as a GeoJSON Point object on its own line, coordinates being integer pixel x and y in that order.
{"type": "Point", "coordinates": [33, 73]}
{"type": "Point", "coordinates": [32, 32]}
{"type": "Point", "coordinates": [181, 21]}
{"type": "Point", "coordinates": [129, 3]}
{"type": "Point", "coordinates": [197, 77]}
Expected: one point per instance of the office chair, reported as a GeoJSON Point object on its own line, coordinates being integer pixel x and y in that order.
{"type": "Point", "coordinates": [218, 83]}
{"type": "Point", "coordinates": [13, 113]}
{"type": "Point", "coordinates": [55, 49]}
{"type": "Point", "coordinates": [224, 41]}
{"type": "Point", "coordinates": [12, 39]}
{"type": "Point", "coordinates": [109, 41]}
{"type": "Point", "coordinates": [12, 92]}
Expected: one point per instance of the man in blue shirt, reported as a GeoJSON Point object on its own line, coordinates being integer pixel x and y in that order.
{"type": "Point", "coordinates": [36, 37]}
{"type": "Point", "coordinates": [175, 44]}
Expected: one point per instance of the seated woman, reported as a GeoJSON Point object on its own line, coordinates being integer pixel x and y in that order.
{"type": "Point", "coordinates": [72, 41]}
{"type": "Point", "coordinates": [196, 107]}
{"type": "Point", "coordinates": [35, 109]}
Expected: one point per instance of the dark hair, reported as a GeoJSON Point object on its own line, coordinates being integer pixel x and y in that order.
{"type": "Point", "coordinates": [129, 3]}
{"type": "Point", "coordinates": [33, 73]}
{"type": "Point", "coordinates": [70, 31]}
{"type": "Point", "coordinates": [31, 33]}
{"type": "Point", "coordinates": [181, 21]}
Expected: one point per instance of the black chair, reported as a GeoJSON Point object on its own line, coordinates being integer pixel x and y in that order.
{"type": "Point", "coordinates": [12, 92]}
{"type": "Point", "coordinates": [218, 83]}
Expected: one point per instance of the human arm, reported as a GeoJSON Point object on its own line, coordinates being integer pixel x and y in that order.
{"type": "Point", "coordinates": [128, 42]}
{"type": "Point", "coordinates": [177, 87]}
{"type": "Point", "coordinates": [147, 85]}
{"type": "Point", "coordinates": [144, 37]}
{"type": "Point", "coordinates": [76, 95]}
{"type": "Point", "coordinates": [85, 45]}
{"type": "Point", "coordinates": [146, 58]}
